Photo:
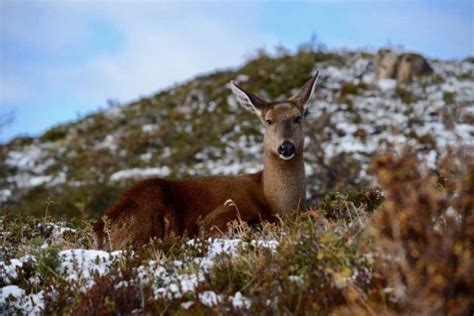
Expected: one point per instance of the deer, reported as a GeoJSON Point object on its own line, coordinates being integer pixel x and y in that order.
{"type": "Point", "coordinates": [157, 207]}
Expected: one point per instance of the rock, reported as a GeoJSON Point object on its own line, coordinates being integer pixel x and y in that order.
{"type": "Point", "coordinates": [410, 65]}
{"type": "Point", "coordinates": [469, 59]}
{"type": "Point", "coordinates": [385, 64]}
{"type": "Point", "coordinates": [400, 66]}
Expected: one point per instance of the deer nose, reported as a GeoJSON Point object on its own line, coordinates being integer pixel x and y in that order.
{"type": "Point", "coordinates": [286, 150]}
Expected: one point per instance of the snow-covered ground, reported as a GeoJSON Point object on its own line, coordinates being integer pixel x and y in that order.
{"type": "Point", "coordinates": [169, 281]}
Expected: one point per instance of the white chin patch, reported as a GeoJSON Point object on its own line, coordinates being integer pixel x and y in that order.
{"type": "Point", "coordinates": [286, 158]}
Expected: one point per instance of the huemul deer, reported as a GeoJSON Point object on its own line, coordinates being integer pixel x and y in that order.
{"type": "Point", "coordinates": [158, 207]}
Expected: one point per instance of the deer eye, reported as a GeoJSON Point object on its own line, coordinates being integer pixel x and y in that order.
{"type": "Point", "coordinates": [298, 120]}
{"type": "Point", "coordinates": [268, 122]}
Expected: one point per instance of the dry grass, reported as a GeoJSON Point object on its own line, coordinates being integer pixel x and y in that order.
{"type": "Point", "coordinates": [425, 235]}
{"type": "Point", "coordinates": [406, 248]}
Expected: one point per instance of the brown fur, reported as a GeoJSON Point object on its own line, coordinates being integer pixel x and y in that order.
{"type": "Point", "coordinates": [159, 207]}
{"type": "Point", "coordinates": [286, 185]}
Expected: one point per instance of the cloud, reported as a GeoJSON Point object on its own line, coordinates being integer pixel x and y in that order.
{"type": "Point", "coordinates": [59, 56]}
{"type": "Point", "coordinates": [161, 44]}
{"type": "Point", "coordinates": [164, 46]}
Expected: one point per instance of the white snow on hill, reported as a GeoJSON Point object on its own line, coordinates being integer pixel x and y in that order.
{"type": "Point", "coordinates": [428, 114]}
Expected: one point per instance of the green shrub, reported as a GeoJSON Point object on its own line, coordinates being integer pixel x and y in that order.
{"type": "Point", "coordinates": [56, 133]}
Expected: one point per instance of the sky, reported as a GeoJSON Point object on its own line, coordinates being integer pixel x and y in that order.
{"type": "Point", "coordinates": [60, 60]}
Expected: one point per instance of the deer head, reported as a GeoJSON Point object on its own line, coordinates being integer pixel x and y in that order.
{"type": "Point", "coordinates": [284, 136]}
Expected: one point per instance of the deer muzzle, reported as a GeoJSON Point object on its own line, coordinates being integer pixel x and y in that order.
{"type": "Point", "coordinates": [286, 151]}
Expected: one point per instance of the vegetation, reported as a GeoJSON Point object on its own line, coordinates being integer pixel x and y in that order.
{"type": "Point", "coordinates": [383, 234]}
{"type": "Point", "coordinates": [407, 252]}
{"type": "Point", "coordinates": [196, 128]}
{"type": "Point", "coordinates": [192, 118]}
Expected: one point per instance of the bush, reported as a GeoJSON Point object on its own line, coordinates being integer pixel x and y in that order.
{"type": "Point", "coordinates": [340, 205]}
{"type": "Point", "coordinates": [424, 233]}
{"type": "Point", "coordinates": [407, 250]}
{"type": "Point", "coordinates": [55, 133]}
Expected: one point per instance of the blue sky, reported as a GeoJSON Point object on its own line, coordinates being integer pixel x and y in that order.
{"type": "Point", "coordinates": [62, 59]}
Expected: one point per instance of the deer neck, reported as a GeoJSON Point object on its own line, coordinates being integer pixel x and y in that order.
{"type": "Point", "coordinates": [284, 182]}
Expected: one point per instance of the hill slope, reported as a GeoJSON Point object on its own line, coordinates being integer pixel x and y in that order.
{"type": "Point", "coordinates": [197, 128]}
{"type": "Point", "coordinates": [404, 248]}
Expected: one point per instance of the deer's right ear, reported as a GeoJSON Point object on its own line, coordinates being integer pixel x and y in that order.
{"type": "Point", "coordinates": [249, 100]}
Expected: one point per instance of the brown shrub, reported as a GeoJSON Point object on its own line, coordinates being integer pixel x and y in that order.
{"type": "Point", "coordinates": [425, 236]}
{"type": "Point", "coordinates": [109, 297]}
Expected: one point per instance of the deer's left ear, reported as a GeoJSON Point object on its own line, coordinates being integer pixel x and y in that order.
{"type": "Point", "coordinates": [306, 93]}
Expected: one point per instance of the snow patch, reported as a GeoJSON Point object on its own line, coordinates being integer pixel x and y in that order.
{"type": "Point", "coordinates": [80, 265]}
{"type": "Point", "coordinates": [387, 84]}
{"type": "Point", "coordinates": [137, 173]}
{"type": "Point", "coordinates": [240, 301]}
{"type": "Point", "coordinates": [9, 271]}
{"type": "Point", "coordinates": [210, 298]}
{"type": "Point", "coordinates": [10, 292]}
{"type": "Point", "coordinates": [13, 300]}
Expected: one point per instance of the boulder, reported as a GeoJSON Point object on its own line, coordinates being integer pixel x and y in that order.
{"type": "Point", "coordinates": [400, 66]}
{"type": "Point", "coordinates": [410, 64]}
{"type": "Point", "coordinates": [385, 64]}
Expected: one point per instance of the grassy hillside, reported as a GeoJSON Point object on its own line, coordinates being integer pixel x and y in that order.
{"type": "Point", "coordinates": [196, 128]}
{"type": "Point", "coordinates": [390, 176]}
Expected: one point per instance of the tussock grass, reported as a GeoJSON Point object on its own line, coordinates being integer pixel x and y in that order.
{"type": "Point", "coordinates": [401, 249]}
